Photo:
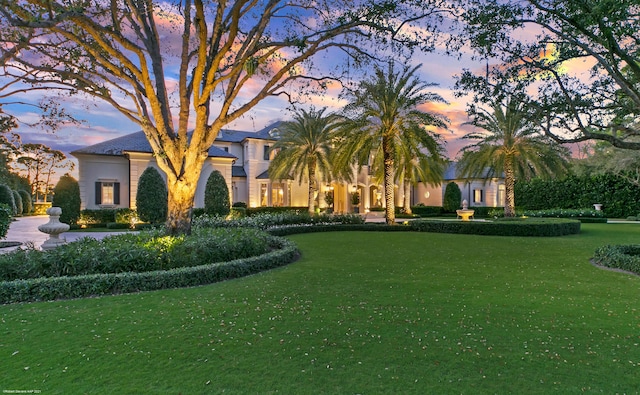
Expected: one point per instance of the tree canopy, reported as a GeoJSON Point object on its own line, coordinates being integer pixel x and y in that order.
{"type": "Point", "coordinates": [182, 70]}
{"type": "Point", "coordinates": [384, 122]}
{"type": "Point", "coordinates": [304, 150]}
{"type": "Point", "coordinates": [509, 143]}
{"type": "Point", "coordinates": [577, 59]}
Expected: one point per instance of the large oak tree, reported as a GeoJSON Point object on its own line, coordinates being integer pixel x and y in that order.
{"type": "Point", "coordinates": [579, 60]}
{"type": "Point", "coordinates": [183, 69]}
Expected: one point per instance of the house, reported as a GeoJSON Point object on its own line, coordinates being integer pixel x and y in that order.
{"type": "Point", "coordinates": [478, 192]}
{"type": "Point", "coordinates": [109, 173]}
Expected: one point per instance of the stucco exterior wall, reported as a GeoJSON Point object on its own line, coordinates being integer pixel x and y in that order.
{"type": "Point", "coordinates": [100, 168]}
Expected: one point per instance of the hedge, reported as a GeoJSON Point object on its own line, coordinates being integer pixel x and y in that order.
{"type": "Point", "coordinates": [619, 198]}
{"type": "Point", "coordinates": [518, 227]}
{"type": "Point", "coordinates": [624, 257]}
{"type": "Point", "coordinates": [427, 211]}
{"type": "Point", "coordinates": [44, 289]}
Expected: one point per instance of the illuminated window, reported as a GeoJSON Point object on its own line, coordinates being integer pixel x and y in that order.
{"type": "Point", "coordinates": [277, 194]}
{"type": "Point", "coordinates": [107, 193]}
{"type": "Point", "coordinates": [264, 195]}
{"type": "Point", "coordinates": [477, 196]}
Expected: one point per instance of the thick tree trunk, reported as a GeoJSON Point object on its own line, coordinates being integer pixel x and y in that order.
{"type": "Point", "coordinates": [509, 183]}
{"type": "Point", "coordinates": [389, 186]}
{"type": "Point", "coordinates": [182, 191]}
{"type": "Point", "coordinates": [407, 197]}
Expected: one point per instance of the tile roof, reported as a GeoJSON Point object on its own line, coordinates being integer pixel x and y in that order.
{"type": "Point", "coordinates": [238, 171]}
{"type": "Point", "coordinates": [137, 142]}
{"type": "Point", "coordinates": [451, 173]}
{"type": "Point", "coordinates": [237, 136]}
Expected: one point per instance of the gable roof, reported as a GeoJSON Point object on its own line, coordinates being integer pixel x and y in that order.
{"type": "Point", "coordinates": [137, 142]}
{"type": "Point", "coordinates": [451, 173]}
{"type": "Point", "coordinates": [238, 136]}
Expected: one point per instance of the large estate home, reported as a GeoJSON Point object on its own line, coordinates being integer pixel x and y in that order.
{"type": "Point", "coordinates": [109, 173]}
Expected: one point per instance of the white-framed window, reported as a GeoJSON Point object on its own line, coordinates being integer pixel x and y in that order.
{"type": "Point", "coordinates": [501, 195]}
{"type": "Point", "coordinates": [107, 193]}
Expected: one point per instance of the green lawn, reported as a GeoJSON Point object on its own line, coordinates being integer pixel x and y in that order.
{"type": "Point", "coordinates": [365, 313]}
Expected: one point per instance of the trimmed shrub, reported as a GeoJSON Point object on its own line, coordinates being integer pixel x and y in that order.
{"type": "Point", "coordinates": [126, 216]}
{"type": "Point", "coordinates": [279, 209]}
{"type": "Point", "coordinates": [5, 219]}
{"type": "Point", "coordinates": [66, 195]}
{"type": "Point", "coordinates": [97, 218]}
{"type": "Point", "coordinates": [505, 227]}
{"type": "Point", "coordinates": [127, 252]}
{"type": "Point", "coordinates": [6, 197]}
{"type": "Point", "coordinates": [216, 195]}
{"type": "Point", "coordinates": [427, 211]}
{"type": "Point", "coordinates": [452, 198]}
{"type": "Point", "coordinates": [271, 220]}
{"type": "Point", "coordinates": [65, 287]}
{"type": "Point", "coordinates": [239, 204]}
{"type": "Point", "coordinates": [118, 225]}
{"type": "Point", "coordinates": [152, 197]}
{"type": "Point", "coordinates": [623, 257]}
{"type": "Point", "coordinates": [27, 205]}
{"type": "Point", "coordinates": [18, 200]}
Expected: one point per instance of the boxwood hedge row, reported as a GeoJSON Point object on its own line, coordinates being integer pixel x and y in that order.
{"type": "Point", "coordinates": [515, 227]}
{"type": "Point", "coordinates": [68, 287]}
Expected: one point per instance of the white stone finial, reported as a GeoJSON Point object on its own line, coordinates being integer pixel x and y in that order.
{"type": "Point", "coordinates": [53, 228]}
{"type": "Point", "coordinates": [465, 204]}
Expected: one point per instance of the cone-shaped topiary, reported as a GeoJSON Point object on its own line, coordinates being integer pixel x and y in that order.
{"type": "Point", "coordinates": [216, 195]}
{"type": "Point", "coordinates": [452, 197]}
{"type": "Point", "coordinates": [18, 199]}
{"type": "Point", "coordinates": [152, 197]}
{"type": "Point", "coordinates": [27, 205]}
{"type": "Point", "coordinates": [66, 195]}
{"type": "Point", "coordinates": [6, 197]}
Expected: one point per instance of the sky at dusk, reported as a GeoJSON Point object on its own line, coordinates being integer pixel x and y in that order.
{"type": "Point", "coordinates": [101, 122]}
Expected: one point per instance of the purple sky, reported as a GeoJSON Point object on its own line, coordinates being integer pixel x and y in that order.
{"type": "Point", "coordinates": [102, 122]}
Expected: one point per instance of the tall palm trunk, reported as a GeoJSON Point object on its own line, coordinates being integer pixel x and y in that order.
{"type": "Point", "coordinates": [407, 196]}
{"type": "Point", "coordinates": [509, 184]}
{"type": "Point", "coordinates": [313, 182]}
{"type": "Point", "coordinates": [389, 174]}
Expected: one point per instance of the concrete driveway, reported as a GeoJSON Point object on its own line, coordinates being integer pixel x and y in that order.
{"type": "Point", "coordinates": [25, 230]}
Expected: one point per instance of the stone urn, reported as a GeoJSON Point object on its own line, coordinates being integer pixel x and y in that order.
{"type": "Point", "coordinates": [53, 228]}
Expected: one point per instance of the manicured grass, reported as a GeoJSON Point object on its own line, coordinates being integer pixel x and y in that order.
{"type": "Point", "coordinates": [360, 312]}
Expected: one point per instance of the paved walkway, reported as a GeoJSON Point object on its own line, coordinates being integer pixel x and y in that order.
{"type": "Point", "coordinates": [25, 230]}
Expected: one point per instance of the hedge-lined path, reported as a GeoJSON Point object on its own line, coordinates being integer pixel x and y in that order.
{"type": "Point", "coordinates": [25, 230]}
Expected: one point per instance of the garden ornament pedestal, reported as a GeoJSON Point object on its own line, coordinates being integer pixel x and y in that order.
{"type": "Point", "coordinates": [465, 214]}
{"type": "Point", "coordinates": [53, 228]}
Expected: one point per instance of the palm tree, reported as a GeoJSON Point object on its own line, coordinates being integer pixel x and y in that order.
{"type": "Point", "coordinates": [382, 116]}
{"type": "Point", "coordinates": [420, 160]}
{"type": "Point", "coordinates": [510, 144]}
{"type": "Point", "coordinates": [304, 148]}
